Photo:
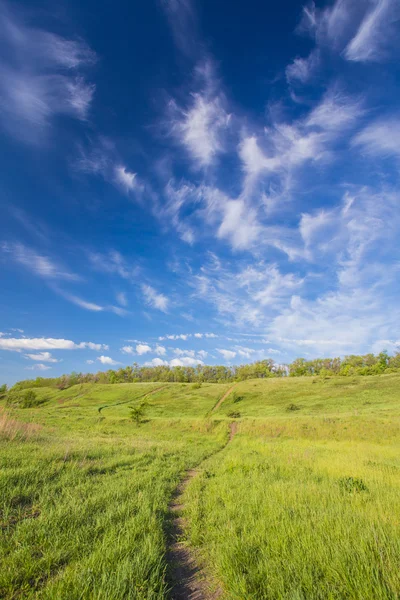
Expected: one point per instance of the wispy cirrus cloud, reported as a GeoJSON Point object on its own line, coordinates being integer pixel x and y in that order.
{"type": "Point", "coordinates": [42, 77]}
{"type": "Point", "coordinates": [154, 298]}
{"type": "Point", "coordinates": [36, 263]}
{"type": "Point", "coordinates": [380, 138]}
{"type": "Point", "coordinates": [375, 33]}
{"type": "Point", "coordinates": [201, 125]}
{"type": "Point", "coordinates": [113, 263]}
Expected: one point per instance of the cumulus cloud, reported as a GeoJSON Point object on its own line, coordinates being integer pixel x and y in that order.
{"type": "Point", "coordinates": [154, 298]}
{"type": "Point", "coordinates": [227, 354]}
{"type": "Point", "coordinates": [43, 356]}
{"type": "Point", "coordinates": [106, 360]}
{"type": "Point", "coordinates": [143, 349]}
{"type": "Point", "coordinates": [127, 350]}
{"type": "Point", "coordinates": [18, 344]}
{"type": "Point", "coordinates": [39, 367]}
{"type": "Point", "coordinates": [185, 361]}
{"type": "Point", "coordinates": [160, 350]}
{"type": "Point", "coordinates": [156, 362]}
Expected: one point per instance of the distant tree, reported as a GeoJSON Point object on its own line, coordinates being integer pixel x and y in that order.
{"type": "Point", "coordinates": [3, 389]}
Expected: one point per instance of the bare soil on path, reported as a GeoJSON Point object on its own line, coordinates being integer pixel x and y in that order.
{"type": "Point", "coordinates": [223, 398]}
{"type": "Point", "coordinates": [186, 576]}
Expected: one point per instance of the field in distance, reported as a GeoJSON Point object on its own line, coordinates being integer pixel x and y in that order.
{"type": "Point", "coordinates": [303, 503]}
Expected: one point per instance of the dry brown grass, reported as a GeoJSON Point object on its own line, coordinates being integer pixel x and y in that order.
{"type": "Point", "coordinates": [12, 429]}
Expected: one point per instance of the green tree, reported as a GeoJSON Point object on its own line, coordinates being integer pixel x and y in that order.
{"type": "Point", "coordinates": [138, 412]}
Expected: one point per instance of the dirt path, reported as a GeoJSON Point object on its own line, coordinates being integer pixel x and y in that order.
{"type": "Point", "coordinates": [101, 408]}
{"type": "Point", "coordinates": [224, 397]}
{"type": "Point", "coordinates": [188, 580]}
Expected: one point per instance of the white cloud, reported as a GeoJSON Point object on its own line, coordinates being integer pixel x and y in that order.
{"type": "Point", "coordinates": [39, 366]}
{"type": "Point", "coordinates": [155, 299]}
{"type": "Point", "coordinates": [335, 112]}
{"type": "Point", "coordinates": [381, 137]}
{"type": "Point", "coordinates": [42, 79]}
{"type": "Point", "coordinates": [122, 299]}
{"type": "Point", "coordinates": [201, 127]}
{"type": "Point", "coordinates": [43, 356]}
{"type": "Point", "coordinates": [160, 350]}
{"type": "Point", "coordinates": [179, 336]}
{"type": "Point", "coordinates": [302, 69]}
{"type": "Point", "coordinates": [185, 361]}
{"type": "Point", "coordinates": [127, 350]}
{"type": "Point", "coordinates": [90, 362]}
{"type": "Point", "coordinates": [114, 263]}
{"type": "Point", "coordinates": [106, 360]}
{"type": "Point", "coordinates": [198, 335]}
{"type": "Point", "coordinates": [143, 349]}
{"type": "Point", "coordinates": [18, 344]}
{"type": "Point", "coordinates": [80, 302]}
{"type": "Point", "coordinates": [156, 362]}
{"type": "Point", "coordinates": [183, 22]}
{"type": "Point", "coordinates": [40, 265]}
{"type": "Point", "coordinates": [374, 32]}
{"type": "Point", "coordinates": [125, 179]}
{"type": "Point", "coordinates": [227, 354]}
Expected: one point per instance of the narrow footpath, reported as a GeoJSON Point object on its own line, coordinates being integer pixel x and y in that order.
{"type": "Point", "coordinates": [187, 579]}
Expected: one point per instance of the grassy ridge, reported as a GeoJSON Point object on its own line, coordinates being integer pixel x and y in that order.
{"type": "Point", "coordinates": [304, 503]}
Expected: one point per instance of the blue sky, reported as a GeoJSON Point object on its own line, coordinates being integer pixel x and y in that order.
{"type": "Point", "coordinates": [188, 182]}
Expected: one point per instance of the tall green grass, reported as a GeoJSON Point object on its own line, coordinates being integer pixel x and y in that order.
{"type": "Point", "coordinates": [303, 504]}
{"type": "Point", "coordinates": [84, 499]}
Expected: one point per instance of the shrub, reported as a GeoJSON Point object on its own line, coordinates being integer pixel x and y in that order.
{"type": "Point", "coordinates": [352, 484]}
{"type": "Point", "coordinates": [196, 386]}
{"type": "Point", "coordinates": [236, 398]}
{"type": "Point", "coordinates": [138, 412]}
{"type": "Point", "coordinates": [234, 414]}
{"type": "Point", "coordinates": [27, 399]}
{"type": "Point", "coordinates": [292, 407]}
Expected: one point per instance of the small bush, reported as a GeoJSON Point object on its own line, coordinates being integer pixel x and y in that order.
{"type": "Point", "coordinates": [27, 399]}
{"type": "Point", "coordinates": [138, 412]}
{"type": "Point", "coordinates": [196, 386]}
{"type": "Point", "coordinates": [352, 484]}
{"type": "Point", "coordinates": [234, 414]}
{"type": "Point", "coordinates": [292, 407]}
{"type": "Point", "coordinates": [236, 398]}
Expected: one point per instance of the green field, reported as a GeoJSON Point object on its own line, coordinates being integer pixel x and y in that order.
{"type": "Point", "coordinates": [302, 503]}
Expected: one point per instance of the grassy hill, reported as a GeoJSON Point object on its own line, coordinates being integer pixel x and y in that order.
{"type": "Point", "coordinates": [302, 503]}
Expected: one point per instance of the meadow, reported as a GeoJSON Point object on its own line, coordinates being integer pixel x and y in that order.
{"type": "Point", "coordinates": [303, 502]}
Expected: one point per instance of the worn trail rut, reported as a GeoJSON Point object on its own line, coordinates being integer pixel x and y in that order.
{"type": "Point", "coordinates": [187, 578]}
{"type": "Point", "coordinates": [142, 397]}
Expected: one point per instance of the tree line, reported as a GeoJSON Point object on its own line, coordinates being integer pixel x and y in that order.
{"type": "Point", "coordinates": [367, 364]}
